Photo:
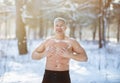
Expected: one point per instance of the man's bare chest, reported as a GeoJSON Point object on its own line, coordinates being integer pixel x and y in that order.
{"type": "Point", "coordinates": [55, 46]}
{"type": "Point", "coordinates": [59, 44]}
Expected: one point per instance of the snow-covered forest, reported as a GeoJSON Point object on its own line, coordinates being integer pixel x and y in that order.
{"type": "Point", "coordinates": [95, 24]}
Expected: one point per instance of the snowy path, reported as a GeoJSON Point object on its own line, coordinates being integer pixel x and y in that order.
{"type": "Point", "coordinates": [103, 65]}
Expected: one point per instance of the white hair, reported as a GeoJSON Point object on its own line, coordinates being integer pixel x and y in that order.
{"type": "Point", "coordinates": [59, 19]}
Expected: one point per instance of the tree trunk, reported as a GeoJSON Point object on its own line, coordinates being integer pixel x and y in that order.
{"type": "Point", "coordinates": [72, 30]}
{"type": "Point", "coordinates": [41, 32]}
{"type": "Point", "coordinates": [100, 26]}
{"type": "Point", "coordinates": [46, 28]}
{"type": "Point", "coordinates": [103, 29]}
{"type": "Point", "coordinates": [100, 34]}
{"type": "Point", "coordinates": [1, 31]}
{"type": "Point", "coordinates": [118, 32]}
{"type": "Point", "coordinates": [6, 26]}
{"type": "Point", "coordinates": [94, 32]}
{"type": "Point", "coordinates": [104, 5]}
{"type": "Point", "coordinates": [108, 30]}
{"type": "Point", "coordinates": [80, 33]}
{"type": "Point", "coordinates": [20, 29]}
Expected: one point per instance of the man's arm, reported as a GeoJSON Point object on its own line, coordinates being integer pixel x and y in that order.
{"type": "Point", "coordinates": [38, 53]}
{"type": "Point", "coordinates": [78, 53]}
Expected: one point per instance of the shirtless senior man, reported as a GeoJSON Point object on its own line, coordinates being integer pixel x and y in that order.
{"type": "Point", "coordinates": [58, 50]}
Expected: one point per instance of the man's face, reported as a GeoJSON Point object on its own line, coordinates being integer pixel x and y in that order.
{"type": "Point", "coordinates": [59, 27]}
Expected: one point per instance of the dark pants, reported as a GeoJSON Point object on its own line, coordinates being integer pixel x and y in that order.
{"type": "Point", "coordinates": [56, 77]}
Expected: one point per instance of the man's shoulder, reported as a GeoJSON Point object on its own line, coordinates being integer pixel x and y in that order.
{"type": "Point", "coordinates": [73, 40]}
{"type": "Point", "coordinates": [48, 38]}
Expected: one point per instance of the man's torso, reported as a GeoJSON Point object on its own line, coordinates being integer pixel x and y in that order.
{"type": "Point", "coordinates": [55, 61]}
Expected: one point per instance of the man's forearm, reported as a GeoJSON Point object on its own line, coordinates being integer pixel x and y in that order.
{"type": "Point", "coordinates": [78, 57]}
{"type": "Point", "coordinates": [37, 55]}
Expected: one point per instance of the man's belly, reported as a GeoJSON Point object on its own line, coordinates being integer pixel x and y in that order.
{"type": "Point", "coordinates": [58, 64]}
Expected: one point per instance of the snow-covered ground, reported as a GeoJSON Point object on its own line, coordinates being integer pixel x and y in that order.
{"type": "Point", "coordinates": [103, 65]}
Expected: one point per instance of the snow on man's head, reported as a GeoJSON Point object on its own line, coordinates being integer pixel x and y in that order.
{"type": "Point", "coordinates": [59, 19]}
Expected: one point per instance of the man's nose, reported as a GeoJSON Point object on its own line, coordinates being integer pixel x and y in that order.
{"type": "Point", "coordinates": [59, 27]}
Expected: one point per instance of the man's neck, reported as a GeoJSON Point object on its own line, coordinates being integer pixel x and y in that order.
{"type": "Point", "coordinates": [60, 36]}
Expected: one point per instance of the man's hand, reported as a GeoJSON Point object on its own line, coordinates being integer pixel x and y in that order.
{"type": "Point", "coordinates": [64, 52]}
{"type": "Point", "coordinates": [49, 51]}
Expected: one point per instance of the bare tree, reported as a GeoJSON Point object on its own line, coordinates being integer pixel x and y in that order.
{"type": "Point", "coordinates": [116, 7]}
{"type": "Point", "coordinates": [103, 23]}
{"type": "Point", "coordinates": [118, 32]}
{"type": "Point", "coordinates": [20, 29]}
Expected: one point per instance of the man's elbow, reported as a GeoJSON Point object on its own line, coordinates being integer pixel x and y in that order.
{"type": "Point", "coordinates": [86, 59]}
{"type": "Point", "coordinates": [34, 57]}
